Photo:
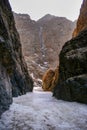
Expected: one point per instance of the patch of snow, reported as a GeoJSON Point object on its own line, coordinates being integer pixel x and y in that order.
{"type": "Point", "coordinates": [42, 67]}
{"type": "Point", "coordinates": [40, 111]}
{"type": "Point", "coordinates": [37, 89]}
{"type": "Point", "coordinates": [35, 84]}
{"type": "Point", "coordinates": [39, 80]}
{"type": "Point", "coordinates": [33, 62]}
{"type": "Point", "coordinates": [45, 63]}
{"type": "Point", "coordinates": [32, 75]}
{"type": "Point", "coordinates": [43, 55]}
{"type": "Point", "coordinates": [35, 54]}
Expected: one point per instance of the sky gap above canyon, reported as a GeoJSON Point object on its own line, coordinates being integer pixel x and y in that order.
{"type": "Point", "coordinates": [39, 8]}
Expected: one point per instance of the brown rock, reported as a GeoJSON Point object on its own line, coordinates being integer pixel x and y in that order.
{"type": "Point", "coordinates": [50, 79]}
{"type": "Point", "coordinates": [42, 40]}
{"type": "Point", "coordinates": [82, 20]}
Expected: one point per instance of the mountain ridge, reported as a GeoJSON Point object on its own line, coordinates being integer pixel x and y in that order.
{"type": "Point", "coordinates": [45, 38]}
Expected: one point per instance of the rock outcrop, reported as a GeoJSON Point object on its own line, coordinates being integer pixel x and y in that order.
{"type": "Point", "coordinates": [14, 77]}
{"type": "Point", "coordinates": [82, 20]}
{"type": "Point", "coordinates": [41, 39]}
{"type": "Point", "coordinates": [50, 79]}
{"type": "Point", "coordinates": [72, 83]}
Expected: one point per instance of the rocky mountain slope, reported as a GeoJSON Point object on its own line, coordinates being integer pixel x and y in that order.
{"type": "Point", "coordinates": [82, 20]}
{"type": "Point", "coordinates": [14, 77]}
{"type": "Point", "coordinates": [72, 84]}
{"type": "Point", "coordinates": [41, 39]}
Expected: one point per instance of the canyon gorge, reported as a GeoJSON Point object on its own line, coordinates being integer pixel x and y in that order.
{"type": "Point", "coordinates": [52, 50]}
{"type": "Point", "coordinates": [72, 84]}
{"type": "Point", "coordinates": [42, 40]}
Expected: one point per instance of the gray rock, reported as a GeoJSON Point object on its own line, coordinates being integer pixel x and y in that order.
{"type": "Point", "coordinates": [72, 84]}
{"type": "Point", "coordinates": [14, 77]}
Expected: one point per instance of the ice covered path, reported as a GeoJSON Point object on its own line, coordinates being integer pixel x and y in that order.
{"type": "Point", "coordinates": [40, 111]}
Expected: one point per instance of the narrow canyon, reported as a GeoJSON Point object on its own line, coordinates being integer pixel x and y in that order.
{"type": "Point", "coordinates": [43, 71]}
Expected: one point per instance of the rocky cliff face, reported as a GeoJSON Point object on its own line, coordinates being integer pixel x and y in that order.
{"type": "Point", "coordinates": [41, 39]}
{"type": "Point", "coordinates": [14, 78]}
{"type": "Point", "coordinates": [82, 20]}
{"type": "Point", "coordinates": [72, 84]}
{"type": "Point", "coordinates": [55, 32]}
{"type": "Point", "coordinates": [29, 35]}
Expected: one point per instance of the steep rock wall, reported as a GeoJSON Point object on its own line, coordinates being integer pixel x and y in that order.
{"type": "Point", "coordinates": [72, 83]}
{"type": "Point", "coordinates": [14, 77]}
{"type": "Point", "coordinates": [82, 20]}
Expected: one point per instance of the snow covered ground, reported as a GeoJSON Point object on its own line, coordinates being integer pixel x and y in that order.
{"type": "Point", "coordinates": [40, 111]}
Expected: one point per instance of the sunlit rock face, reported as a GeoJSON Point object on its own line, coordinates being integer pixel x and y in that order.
{"type": "Point", "coordinates": [14, 78]}
{"type": "Point", "coordinates": [72, 84]}
{"type": "Point", "coordinates": [82, 20]}
{"type": "Point", "coordinates": [42, 40]}
{"type": "Point", "coordinates": [50, 79]}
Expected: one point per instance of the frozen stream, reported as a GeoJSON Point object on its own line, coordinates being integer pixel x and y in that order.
{"type": "Point", "coordinates": [40, 111]}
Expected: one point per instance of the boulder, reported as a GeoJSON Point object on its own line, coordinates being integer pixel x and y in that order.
{"type": "Point", "coordinates": [50, 79]}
